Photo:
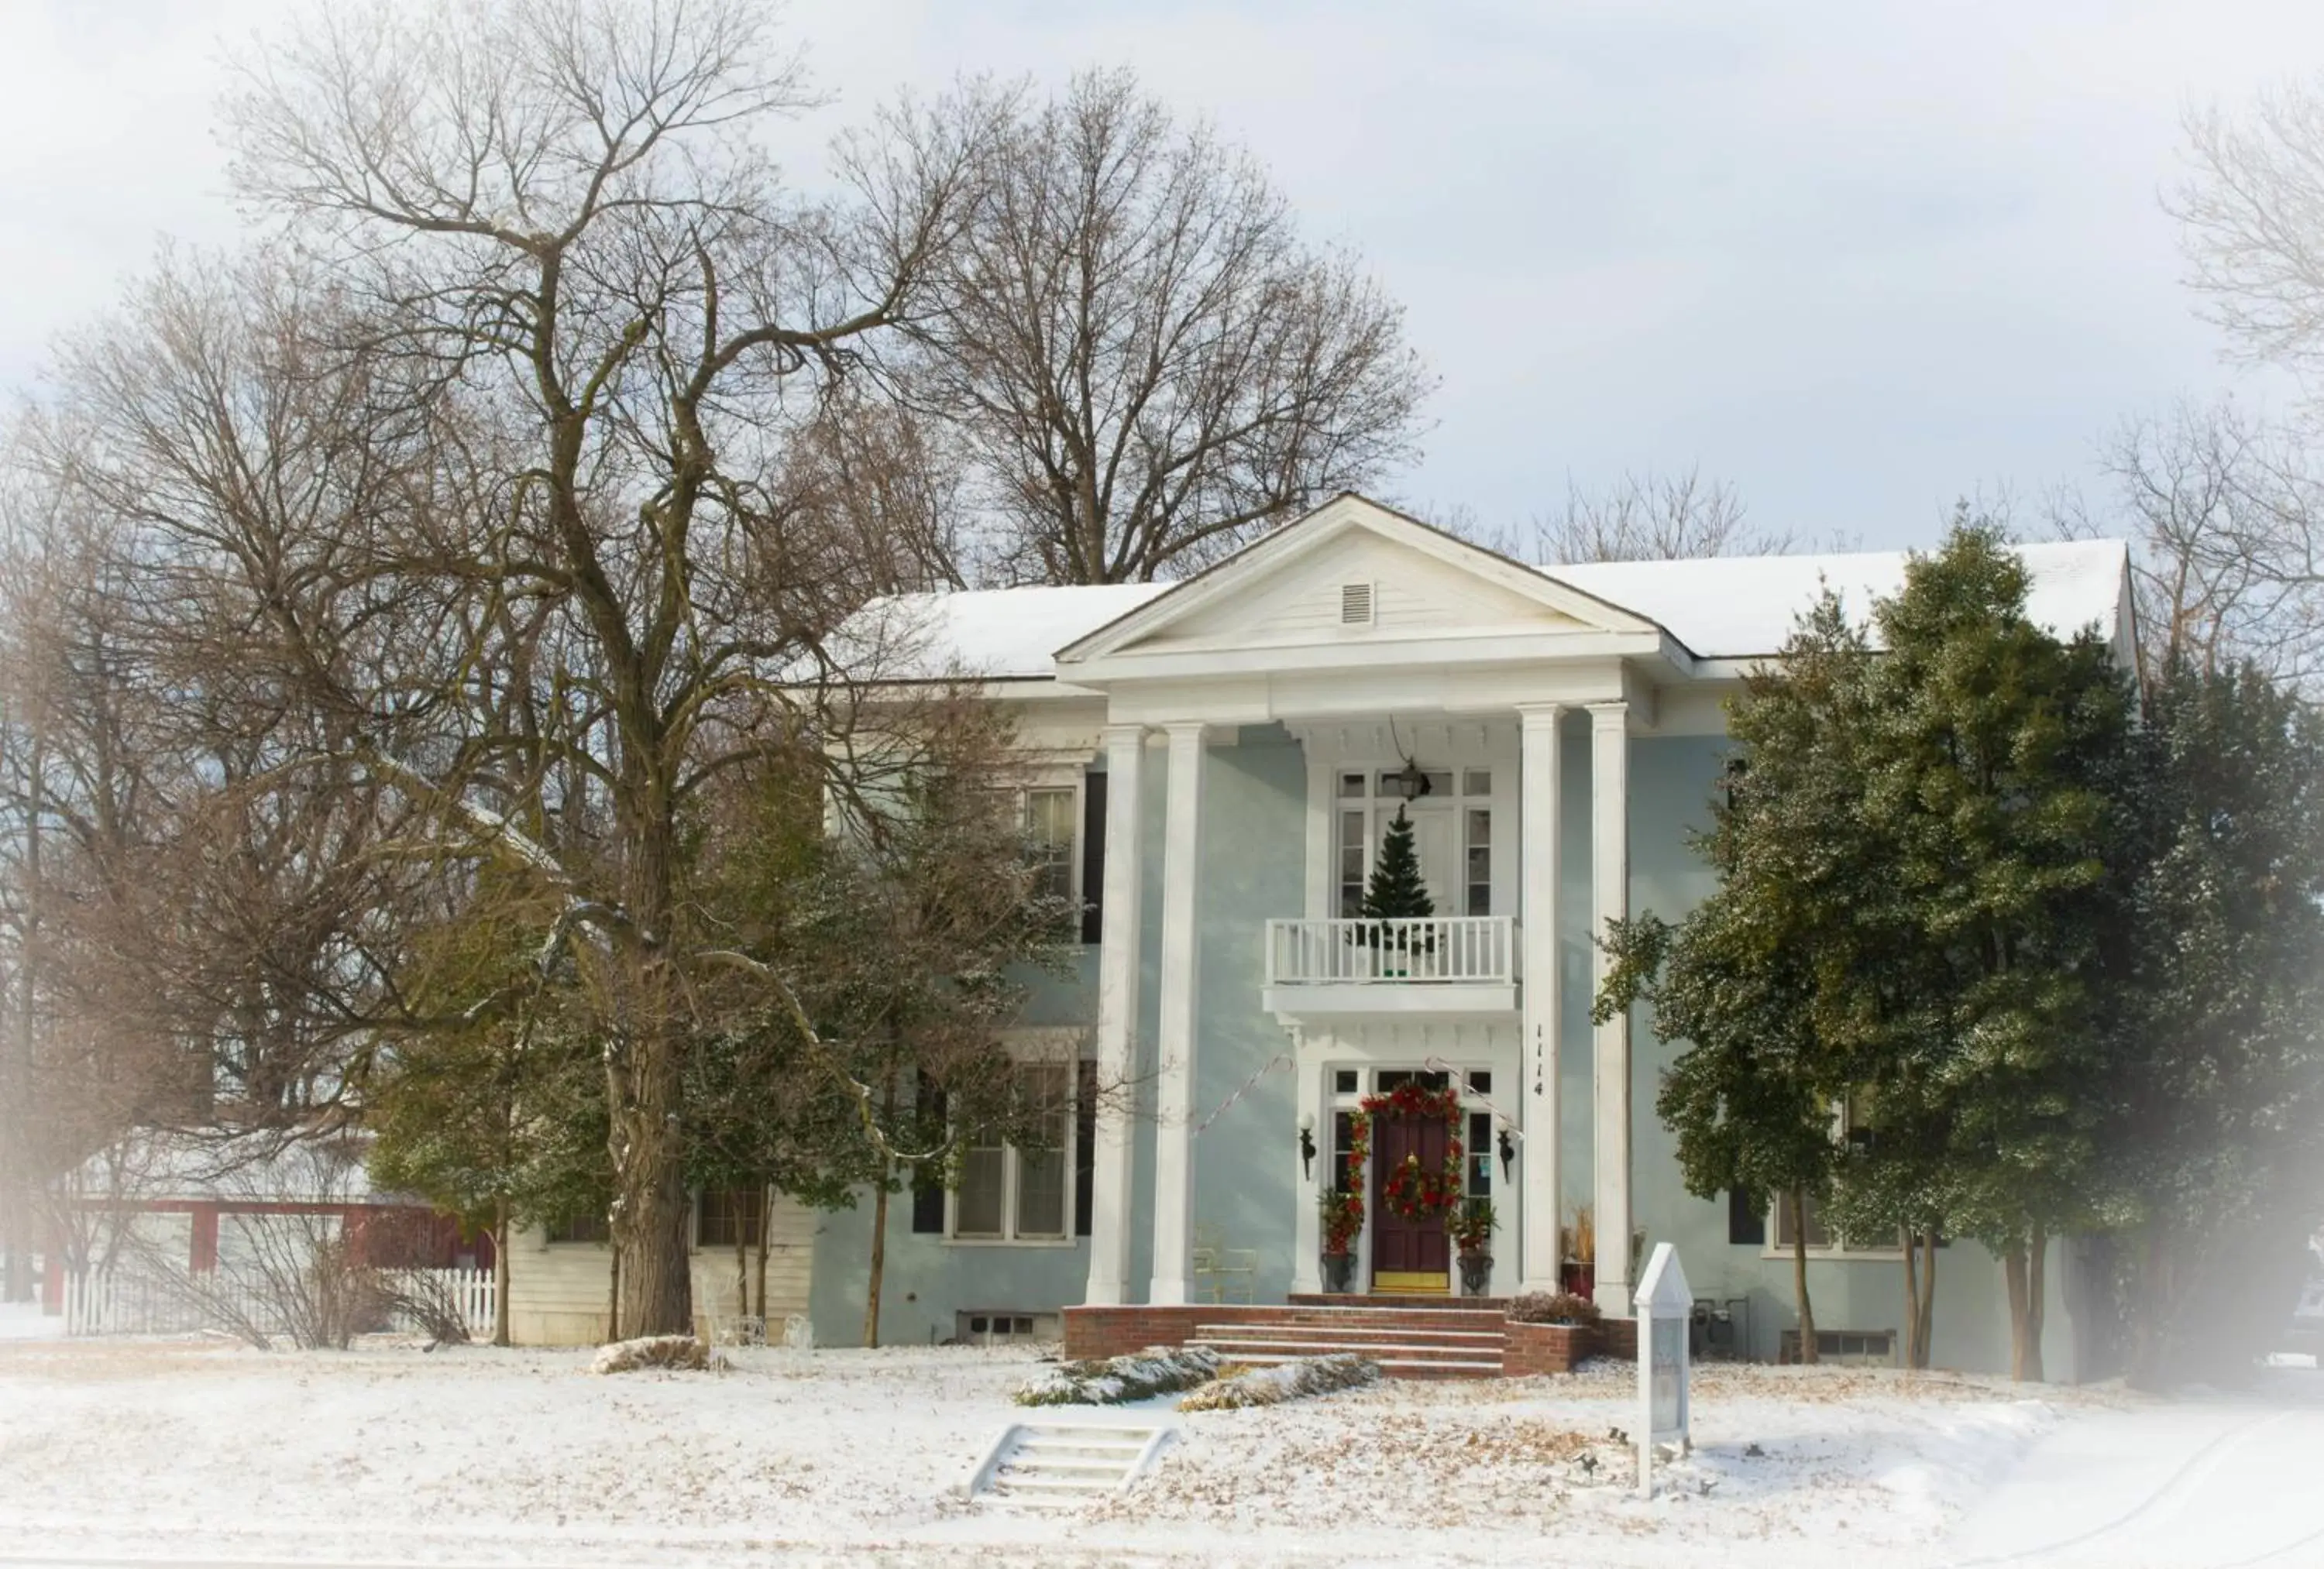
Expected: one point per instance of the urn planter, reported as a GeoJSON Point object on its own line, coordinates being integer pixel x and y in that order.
{"type": "Point", "coordinates": [1339, 1273]}
{"type": "Point", "coordinates": [1476, 1273]}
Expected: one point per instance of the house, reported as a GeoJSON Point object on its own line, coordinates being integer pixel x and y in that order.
{"type": "Point", "coordinates": [1215, 762]}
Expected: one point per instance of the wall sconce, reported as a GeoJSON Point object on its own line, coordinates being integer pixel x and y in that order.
{"type": "Point", "coordinates": [1307, 1146]}
{"type": "Point", "coordinates": [1509, 1152]}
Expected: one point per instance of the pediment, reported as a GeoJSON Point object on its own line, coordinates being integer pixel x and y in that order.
{"type": "Point", "coordinates": [1354, 573]}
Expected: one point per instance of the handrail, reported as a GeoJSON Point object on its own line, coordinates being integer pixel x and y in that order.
{"type": "Point", "coordinates": [1425, 951]}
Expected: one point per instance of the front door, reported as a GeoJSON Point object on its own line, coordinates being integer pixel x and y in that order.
{"type": "Point", "coordinates": [1408, 1255]}
{"type": "Point", "coordinates": [1437, 846]}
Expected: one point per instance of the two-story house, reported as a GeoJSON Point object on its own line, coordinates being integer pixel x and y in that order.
{"type": "Point", "coordinates": [1216, 761]}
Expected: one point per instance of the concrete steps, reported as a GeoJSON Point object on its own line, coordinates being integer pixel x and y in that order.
{"type": "Point", "coordinates": [1063, 1465]}
{"type": "Point", "coordinates": [1407, 1341]}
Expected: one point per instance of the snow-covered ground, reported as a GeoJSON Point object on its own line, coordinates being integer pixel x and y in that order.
{"type": "Point", "coordinates": [156, 1449]}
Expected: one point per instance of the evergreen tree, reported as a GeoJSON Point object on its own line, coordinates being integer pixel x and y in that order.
{"type": "Point", "coordinates": [2215, 1117]}
{"type": "Point", "coordinates": [1738, 982]}
{"type": "Point", "coordinates": [1395, 891]}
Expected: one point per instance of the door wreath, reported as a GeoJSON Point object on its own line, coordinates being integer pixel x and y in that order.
{"type": "Point", "coordinates": [1409, 1192]}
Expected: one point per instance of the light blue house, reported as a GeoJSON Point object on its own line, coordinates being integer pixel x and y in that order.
{"type": "Point", "coordinates": [1215, 761]}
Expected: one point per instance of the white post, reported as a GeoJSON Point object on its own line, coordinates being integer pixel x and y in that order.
{"type": "Point", "coordinates": [1539, 1253]}
{"type": "Point", "coordinates": [1173, 1167]}
{"type": "Point", "coordinates": [1117, 1016]}
{"type": "Point", "coordinates": [1609, 900]}
{"type": "Point", "coordinates": [1314, 1176]}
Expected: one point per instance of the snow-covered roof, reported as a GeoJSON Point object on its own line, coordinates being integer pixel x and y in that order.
{"type": "Point", "coordinates": [1000, 634]}
{"type": "Point", "coordinates": [1722, 607]}
{"type": "Point", "coordinates": [1738, 607]}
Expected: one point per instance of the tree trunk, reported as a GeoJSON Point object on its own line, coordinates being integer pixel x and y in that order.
{"type": "Point", "coordinates": [766, 1219]}
{"type": "Point", "coordinates": [652, 1208]}
{"type": "Point", "coordinates": [742, 1274]}
{"type": "Point", "coordinates": [1919, 1297]}
{"type": "Point", "coordinates": [613, 1292]}
{"type": "Point", "coordinates": [1924, 1312]}
{"type": "Point", "coordinates": [2021, 1267]}
{"type": "Point", "coordinates": [878, 1221]}
{"type": "Point", "coordinates": [879, 1265]}
{"type": "Point", "coordinates": [500, 1272]}
{"type": "Point", "coordinates": [1798, 1201]}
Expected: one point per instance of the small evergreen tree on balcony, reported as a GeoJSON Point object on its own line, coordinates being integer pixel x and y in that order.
{"type": "Point", "coordinates": [1395, 891]}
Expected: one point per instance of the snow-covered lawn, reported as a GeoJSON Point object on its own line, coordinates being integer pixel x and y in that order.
{"type": "Point", "coordinates": [151, 1448]}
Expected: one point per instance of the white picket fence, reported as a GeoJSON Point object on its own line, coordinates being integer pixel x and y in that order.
{"type": "Point", "coordinates": [145, 1302]}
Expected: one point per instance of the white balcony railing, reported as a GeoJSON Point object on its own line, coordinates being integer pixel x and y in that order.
{"type": "Point", "coordinates": [1431, 951]}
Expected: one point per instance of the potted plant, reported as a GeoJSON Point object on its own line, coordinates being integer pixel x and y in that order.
{"type": "Point", "coordinates": [1471, 1226]}
{"type": "Point", "coordinates": [1342, 1212]}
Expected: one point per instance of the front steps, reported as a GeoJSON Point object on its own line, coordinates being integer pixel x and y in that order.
{"type": "Point", "coordinates": [1413, 1342]}
{"type": "Point", "coordinates": [1062, 1464]}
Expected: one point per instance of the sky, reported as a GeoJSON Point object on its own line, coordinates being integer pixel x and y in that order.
{"type": "Point", "coordinates": [1855, 257]}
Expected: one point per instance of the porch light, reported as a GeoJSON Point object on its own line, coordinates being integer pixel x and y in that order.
{"type": "Point", "coordinates": [1509, 1152]}
{"type": "Point", "coordinates": [1307, 1146]}
{"type": "Point", "coordinates": [1411, 780]}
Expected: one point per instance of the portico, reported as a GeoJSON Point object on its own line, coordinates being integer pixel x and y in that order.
{"type": "Point", "coordinates": [1503, 681]}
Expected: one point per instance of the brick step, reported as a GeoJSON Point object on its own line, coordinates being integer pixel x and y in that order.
{"type": "Point", "coordinates": [1246, 1351]}
{"type": "Point", "coordinates": [1408, 1318]}
{"type": "Point", "coordinates": [1413, 1363]}
{"type": "Point", "coordinates": [1352, 1333]}
{"type": "Point", "coordinates": [1400, 1301]}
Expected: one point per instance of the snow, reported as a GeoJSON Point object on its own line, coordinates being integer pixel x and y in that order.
{"type": "Point", "coordinates": [142, 1450]}
{"type": "Point", "coordinates": [1741, 607]}
{"type": "Point", "coordinates": [25, 1321]}
{"type": "Point", "coordinates": [1001, 634]}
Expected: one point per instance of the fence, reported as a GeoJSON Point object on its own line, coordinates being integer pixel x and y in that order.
{"type": "Point", "coordinates": [141, 1301]}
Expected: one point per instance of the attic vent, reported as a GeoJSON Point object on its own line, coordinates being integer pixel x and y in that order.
{"type": "Point", "coordinates": [1355, 604]}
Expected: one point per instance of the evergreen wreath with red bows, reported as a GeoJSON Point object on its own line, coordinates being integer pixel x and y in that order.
{"type": "Point", "coordinates": [1410, 1191]}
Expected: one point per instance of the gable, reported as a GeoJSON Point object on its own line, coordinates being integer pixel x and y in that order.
{"type": "Point", "coordinates": [1410, 595]}
{"type": "Point", "coordinates": [1352, 573]}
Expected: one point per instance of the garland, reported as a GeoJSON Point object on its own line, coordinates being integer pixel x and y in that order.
{"type": "Point", "coordinates": [1409, 1191]}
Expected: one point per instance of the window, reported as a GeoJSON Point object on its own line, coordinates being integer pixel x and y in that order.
{"type": "Point", "coordinates": [1479, 867]}
{"type": "Point", "coordinates": [1049, 822]}
{"type": "Point", "coordinates": [1818, 1235]}
{"type": "Point", "coordinates": [1013, 1193]}
{"type": "Point", "coordinates": [1481, 1155]}
{"type": "Point", "coordinates": [587, 1226]}
{"type": "Point", "coordinates": [729, 1217]}
{"type": "Point", "coordinates": [1354, 844]}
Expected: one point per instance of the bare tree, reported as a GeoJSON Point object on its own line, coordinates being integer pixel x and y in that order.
{"type": "Point", "coordinates": [474, 534]}
{"type": "Point", "coordinates": [2252, 216]}
{"type": "Point", "coordinates": [1150, 365]}
{"type": "Point", "coordinates": [1653, 516]}
{"type": "Point", "coordinates": [2228, 522]}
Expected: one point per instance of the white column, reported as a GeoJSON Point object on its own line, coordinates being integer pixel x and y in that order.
{"type": "Point", "coordinates": [1609, 900]}
{"type": "Point", "coordinates": [1537, 816]}
{"type": "Point", "coordinates": [1116, 1014]}
{"type": "Point", "coordinates": [1174, 1168]}
{"type": "Point", "coordinates": [1307, 1229]}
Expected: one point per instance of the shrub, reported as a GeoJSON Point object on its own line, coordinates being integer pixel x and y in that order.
{"type": "Point", "coordinates": [682, 1352]}
{"type": "Point", "coordinates": [1290, 1380]}
{"type": "Point", "coordinates": [1118, 1381]}
{"type": "Point", "coordinates": [1558, 1308]}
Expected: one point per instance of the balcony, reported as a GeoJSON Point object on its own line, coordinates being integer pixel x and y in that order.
{"type": "Point", "coordinates": [1433, 965]}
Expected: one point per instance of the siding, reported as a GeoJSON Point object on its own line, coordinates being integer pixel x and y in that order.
{"type": "Point", "coordinates": [557, 1290]}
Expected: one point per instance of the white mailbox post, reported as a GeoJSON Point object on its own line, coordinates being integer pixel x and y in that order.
{"type": "Point", "coordinates": [1665, 1306]}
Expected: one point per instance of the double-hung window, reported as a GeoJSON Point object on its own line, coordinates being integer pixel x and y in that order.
{"type": "Point", "coordinates": [1023, 1191]}
{"type": "Point", "coordinates": [1052, 813]}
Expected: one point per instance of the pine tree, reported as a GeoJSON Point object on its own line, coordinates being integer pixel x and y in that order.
{"type": "Point", "coordinates": [1395, 891]}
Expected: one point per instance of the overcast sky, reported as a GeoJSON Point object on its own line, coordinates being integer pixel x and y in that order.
{"type": "Point", "coordinates": [1858, 256]}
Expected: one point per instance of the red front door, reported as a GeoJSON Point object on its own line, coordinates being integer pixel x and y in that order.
{"type": "Point", "coordinates": [1408, 1255]}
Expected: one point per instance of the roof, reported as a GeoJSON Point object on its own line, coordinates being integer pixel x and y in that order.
{"type": "Point", "coordinates": [1740, 607]}
{"type": "Point", "coordinates": [1720, 608]}
{"type": "Point", "coordinates": [1000, 634]}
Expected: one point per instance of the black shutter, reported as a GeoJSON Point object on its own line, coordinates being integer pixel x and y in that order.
{"type": "Point", "coordinates": [1093, 857]}
{"type": "Point", "coordinates": [1084, 1142]}
{"type": "Point", "coordinates": [1746, 1219]}
{"type": "Point", "coordinates": [927, 1183]}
